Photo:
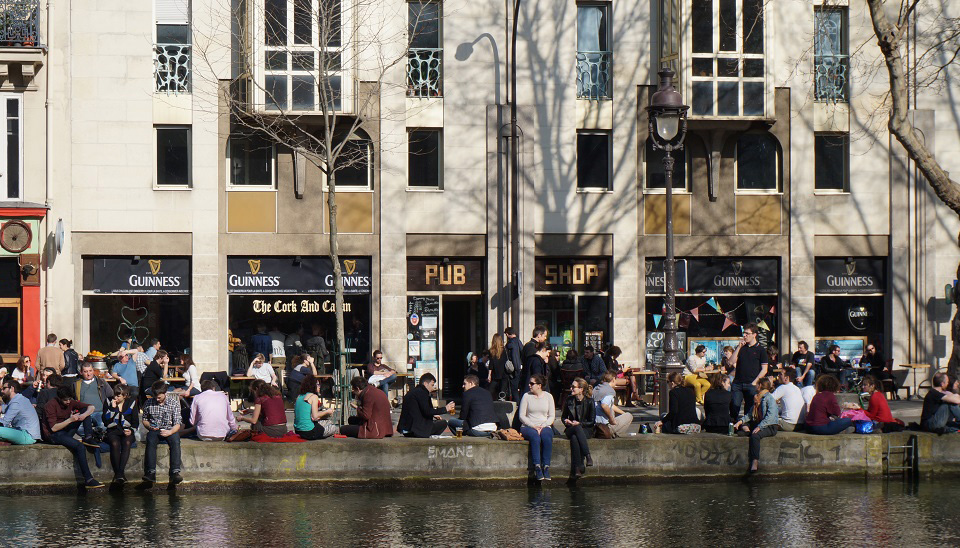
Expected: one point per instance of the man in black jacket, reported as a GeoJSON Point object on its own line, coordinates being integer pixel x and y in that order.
{"type": "Point", "coordinates": [477, 417]}
{"type": "Point", "coordinates": [418, 417]}
{"type": "Point", "coordinates": [538, 336]}
{"type": "Point", "coordinates": [535, 364]}
{"type": "Point", "coordinates": [513, 354]}
{"type": "Point", "coordinates": [833, 364]}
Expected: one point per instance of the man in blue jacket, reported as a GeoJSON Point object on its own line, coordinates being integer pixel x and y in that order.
{"type": "Point", "coordinates": [477, 417]}
{"type": "Point", "coordinates": [513, 354]}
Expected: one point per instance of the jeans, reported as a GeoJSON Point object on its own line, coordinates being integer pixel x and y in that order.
{"type": "Point", "coordinates": [765, 432]}
{"type": "Point", "coordinates": [457, 423]}
{"type": "Point", "coordinates": [65, 438]}
{"type": "Point", "coordinates": [808, 379]}
{"type": "Point", "coordinates": [16, 436]}
{"type": "Point", "coordinates": [541, 444]}
{"type": "Point", "coordinates": [832, 427]}
{"type": "Point", "coordinates": [578, 446]}
{"type": "Point", "coordinates": [96, 419]}
{"type": "Point", "coordinates": [439, 425]}
{"type": "Point", "coordinates": [119, 450]}
{"type": "Point", "coordinates": [845, 375]}
{"type": "Point", "coordinates": [515, 388]}
{"type": "Point", "coordinates": [939, 420]}
{"type": "Point", "coordinates": [738, 393]}
{"type": "Point", "coordinates": [386, 383]}
{"type": "Point", "coordinates": [150, 454]}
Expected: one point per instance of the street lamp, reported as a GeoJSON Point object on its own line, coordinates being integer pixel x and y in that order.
{"type": "Point", "coordinates": [668, 127]}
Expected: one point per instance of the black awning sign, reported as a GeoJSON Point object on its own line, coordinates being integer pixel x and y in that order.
{"type": "Point", "coordinates": [287, 275]}
{"type": "Point", "coordinates": [156, 276]}
{"type": "Point", "coordinates": [859, 276]}
{"type": "Point", "coordinates": [719, 276]}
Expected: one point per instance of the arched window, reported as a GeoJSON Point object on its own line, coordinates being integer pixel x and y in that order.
{"type": "Point", "coordinates": [758, 163]}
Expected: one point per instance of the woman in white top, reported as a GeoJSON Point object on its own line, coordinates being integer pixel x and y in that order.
{"type": "Point", "coordinates": [263, 371]}
{"type": "Point", "coordinates": [191, 377]}
{"type": "Point", "coordinates": [537, 415]}
{"type": "Point", "coordinates": [697, 365]}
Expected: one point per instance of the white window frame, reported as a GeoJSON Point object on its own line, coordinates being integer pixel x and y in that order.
{"type": "Point", "coordinates": [767, 57]}
{"type": "Point", "coordinates": [245, 188]}
{"type": "Point", "coordinates": [778, 160]}
{"type": "Point", "coordinates": [4, 151]}
{"type": "Point", "coordinates": [156, 160]}
{"type": "Point", "coordinates": [347, 69]}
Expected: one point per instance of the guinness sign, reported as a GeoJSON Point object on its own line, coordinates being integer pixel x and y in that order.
{"type": "Point", "coordinates": [719, 276]}
{"type": "Point", "coordinates": [130, 276]}
{"type": "Point", "coordinates": [287, 275]}
{"type": "Point", "coordinates": [855, 276]}
{"type": "Point", "coordinates": [576, 274]}
{"type": "Point", "coordinates": [445, 275]}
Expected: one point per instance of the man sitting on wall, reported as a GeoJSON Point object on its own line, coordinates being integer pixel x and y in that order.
{"type": "Point", "coordinates": [64, 415]}
{"type": "Point", "coordinates": [210, 413]}
{"type": "Point", "coordinates": [477, 417]}
{"type": "Point", "coordinates": [941, 408]}
{"type": "Point", "coordinates": [92, 390]}
{"type": "Point", "coordinates": [607, 413]}
{"type": "Point", "coordinates": [418, 417]}
{"type": "Point", "coordinates": [161, 418]}
{"type": "Point", "coordinates": [21, 426]}
{"type": "Point", "coordinates": [373, 412]}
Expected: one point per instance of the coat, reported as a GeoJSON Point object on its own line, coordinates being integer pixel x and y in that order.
{"type": "Point", "coordinates": [477, 408]}
{"type": "Point", "coordinates": [106, 393]}
{"type": "Point", "coordinates": [416, 415]}
{"type": "Point", "coordinates": [584, 412]}
{"type": "Point", "coordinates": [513, 354]}
{"type": "Point", "coordinates": [373, 410]}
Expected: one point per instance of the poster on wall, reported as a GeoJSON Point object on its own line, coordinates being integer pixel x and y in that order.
{"type": "Point", "coordinates": [714, 348]}
{"type": "Point", "coordinates": [422, 331]}
{"type": "Point", "coordinates": [428, 350]}
{"type": "Point", "coordinates": [654, 348]}
{"type": "Point", "coordinates": [413, 349]}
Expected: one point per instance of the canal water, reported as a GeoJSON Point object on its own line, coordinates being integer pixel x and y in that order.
{"type": "Point", "coordinates": [829, 513]}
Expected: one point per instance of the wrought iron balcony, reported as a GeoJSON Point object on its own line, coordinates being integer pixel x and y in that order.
{"type": "Point", "coordinates": [172, 67]}
{"type": "Point", "coordinates": [425, 72]}
{"type": "Point", "coordinates": [830, 78]}
{"type": "Point", "coordinates": [19, 23]}
{"type": "Point", "coordinates": [594, 70]}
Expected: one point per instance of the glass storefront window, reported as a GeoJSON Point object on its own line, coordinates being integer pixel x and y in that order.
{"type": "Point", "coordinates": [116, 318]}
{"type": "Point", "coordinates": [850, 316]}
{"type": "Point", "coordinates": [570, 317]}
{"type": "Point", "coordinates": [762, 310]}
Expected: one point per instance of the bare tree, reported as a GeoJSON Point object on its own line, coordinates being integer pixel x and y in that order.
{"type": "Point", "coordinates": [890, 24]}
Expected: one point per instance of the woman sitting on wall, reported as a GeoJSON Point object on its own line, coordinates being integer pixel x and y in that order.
{"type": "Point", "coordinates": [121, 419]}
{"type": "Point", "coordinates": [310, 419]}
{"type": "Point", "coordinates": [269, 415]}
{"type": "Point", "coordinates": [764, 421]}
{"type": "Point", "coordinates": [537, 414]}
{"type": "Point", "coordinates": [877, 408]}
{"type": "Point", "coordinates": [823, 417]}
{"type": "Point", "coordinates": [579, 415]}
{"type": "Point", "coordinates": [682, 416]}
{"type": "Point", "coordinates": [716, 405]}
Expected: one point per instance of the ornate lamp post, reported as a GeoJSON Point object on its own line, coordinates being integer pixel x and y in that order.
{"type": "Point", "coordinates": [668, 127]}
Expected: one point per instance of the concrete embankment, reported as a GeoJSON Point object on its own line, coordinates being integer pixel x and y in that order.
{"type": "Point", "coordinates": [637, 458]}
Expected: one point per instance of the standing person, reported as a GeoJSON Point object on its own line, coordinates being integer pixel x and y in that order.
{"type": "Point", "coordinates": [484, 369]}
{"type": "Point", "coordinates": [727, 364]}
{"type": "Point", "coordinates": [269, 414]}
{"type": "Point", "coordinates": [156, 371]}
{"type": "Point", "coordinates": [537, 415]}
{"type": "Point", "coordinates": [125, 373]}
{"type": "Point", "coordinates": [833, 364]}
{"type": "Point", "coordinates": [823, 416]}
{"type": "Point", "coordinates": [152, 349]}
{"type": "Point", "coordinates": [210, 413]}
{"type": "Point", "coordinates": [310, 419]}
{"type": "Point", "coordinates": [804, 360]}
{"type": "Point", "coordinates": [500, 386]}
{"type": "Point", "coordinates": [594, 366]}
{"type": "Point", "coordinates": [751, 365]}
{"type": "Point", "coordinates": [361, 340]}
{"type": "Point", "coordinates": [317, 343]}
{"type": "Point", "coordinates": [716, 405]}
{"type": "Point", "coordinates": [418, 417]}
{"type": "Point", "coordinates": [941, 408]}
{"type": "Point", "coordinates": [539, 335]}
{"type": "Point", "coordinates": [23, 370]}
{"type": "Point", "coordinates": [695, 367]}
{"type": "Point", "coordinates": [51, 355]}
{"type": "Point", "coordinates": [161, 418]}
{"type": "Point", "coordinates": [607, 413]}
{"type": "Point", "coordinates": [260, 369]}
{"type": "Point", "coordinates": [513, 355]}
{"type": "Point", "coordinates": [535, 364]}
{"type": "Point", "coordinates": [682, 409]}
{"type": "Point", "coordinates": [260, 342]}
{"type": "Point", "coordinates": [71, 360]}
{"type": "Point", "coordinates": [763, 423]}
{"type": "Point", "coordinates": [788, 395]}
{"type": "Point", "coordinates": [122, 418]}
{"type": "Point", "coordinates": [372, 421]}
{"type": "Point", "coordinates": [477, 417]}
{"type": "Point", "coordinates": [20, 423]}
{"type": "Point", "coordinates": [64, 415]}
{"type": "Point", "coordinates": [579, 416]}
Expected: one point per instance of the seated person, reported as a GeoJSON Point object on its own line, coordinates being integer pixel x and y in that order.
{"type": "Point", "coordinates": [716, 405]}
{"type": "Point", "coordinates": [823, 416]}
{"type": "Point", "coordinates": [380, 374]}
{"type": "Point", "coordinates": [788, 395]}
{"type": "Point", "coordinates": [833, 364]}
{"type": "Point", "coordinates": [21, 425]}
{"type": "Point", "coordinates": [682, 414]}
{"type": "Point", "coordinates": [372, 421]}
{"type": "Point", "coordinates": [477, 417]}
{"type": "Point", "coordinates": [310, 419]}
{"type": "Point", "coordinates": [763, 423]}
{"type": "Point", "coordinates": [269, 415]}
{"type": "Point", "coordinates": [64, 415]}
{"type": "Point", "coordinates": [191, 377]}
{"type": "Point", "coordinates": [210, 413]}
{"type": "Point", "coordinates": [877, 408]}
{"type": "Point", "coordinates": [607, 412]}
{"type": "Point", "coordinates": [579, 417]}
{"type": "Point", "coordinates": [298, 368]}
{"type": "Point", "coordinates": [572, 362]}
{"type": "Point", "coordinates": [694, 372]}
{"type": "Point", "coordinates": [162, 420]}
{"type": "Point", "coordinates": [803, 361]}
{"type": "Point", "coordinates": [92, 390]}
{"type": "Point", "coordinates": [878, 366]}
{"type": "Point", "coordinates": [261, 370]}
{"type": "Point", "coordinates": [418, 417]}
{"type": "Point", "coordinates": [122, 418]}
{"type": "Point", "coordinates": [941, 408]}
{"type": "Point", "coordinates": [125, 373]}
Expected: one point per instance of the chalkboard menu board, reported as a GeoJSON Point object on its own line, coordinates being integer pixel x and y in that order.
{"type": "Point", "coordinates": [423, 331]}
{"type": "Point", "coordinates": [654, 348]}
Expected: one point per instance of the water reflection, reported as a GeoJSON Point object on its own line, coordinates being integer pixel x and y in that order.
{"type": "Point", "coordinates": [789, 514]}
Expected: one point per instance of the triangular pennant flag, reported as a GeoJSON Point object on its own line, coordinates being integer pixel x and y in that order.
{"type": "Point", "coordinates": [695, 313]}
{"type": "Point", "coordinates": [656, 319]}
{"type": "Point", "coordinates": [763, 325]}
{"type": "Point", "coordinates": [727, 322]}
{"type": "Point", "coordinates": [773, 309]}
{"type": "Point", "coordinates": [713, 302]}
{"type": "Point", "coordinates": [720, 310]}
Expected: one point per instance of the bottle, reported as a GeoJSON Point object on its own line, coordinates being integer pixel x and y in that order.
{"type": "Point", "coordinates": [644, 429]}
{"type": "Point", "coordinates": [730, 429]}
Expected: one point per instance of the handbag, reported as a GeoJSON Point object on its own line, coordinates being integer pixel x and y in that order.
{"type": "Point", "coordinates": [509, 368]}
{"type": "Point", "coordinates": [863, 427]}
{"type": "Point", "coordinates": [602, 431]}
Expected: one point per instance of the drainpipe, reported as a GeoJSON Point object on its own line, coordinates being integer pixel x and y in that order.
{"type": "Point", "coordinates": [48, 167]}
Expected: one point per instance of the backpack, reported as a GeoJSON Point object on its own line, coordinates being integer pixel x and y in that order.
{"type": "Point", "coordinates": [509, 434]}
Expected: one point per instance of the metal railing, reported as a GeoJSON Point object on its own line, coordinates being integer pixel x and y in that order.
{"type": "Point", "coordinates": [830, 78]}
{"type": "Point", "coordinates": [172, 67]}
{"type": "Point", "coordinates": [425, 72]}
{"type": "Point", "coordinates": [19, 23]}
{"type": "Point", "coordinates": [594, 71]}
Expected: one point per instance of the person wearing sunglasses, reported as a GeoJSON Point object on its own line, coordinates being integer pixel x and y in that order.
{"type": "Point", "coordinates": [537, 415]}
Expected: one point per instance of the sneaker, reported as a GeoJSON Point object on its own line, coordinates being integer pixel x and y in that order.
{"type": "Point", "coordinates": [119, 480]}
{"type": "Point", "coordinates": [589, 460]}
{"type": "Point", "coordinates": [538, 472]}
{"type": "Point", "coordinates": [546, 473]}
{"type": "Point", "coordinates": [176, 478]}
{"type": "Point", "coordinates": [90, 441]}
{"type": "Point", "coordinates": [149, 479]}
{"type": "Point", "coordinates": [92, 484]}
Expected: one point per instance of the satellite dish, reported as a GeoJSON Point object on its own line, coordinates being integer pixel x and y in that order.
{"type": "Point", "coordinates": [58, 236]}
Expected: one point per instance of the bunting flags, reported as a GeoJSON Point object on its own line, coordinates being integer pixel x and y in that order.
{"type": "Point", "coordinates": [763, 325]}
{"type": "Point", "coordinates": [695, 313]}
{"type": "Point", "coordinates": [773, 309]}
{"type": "Point", "coordinates": [713, 302]}
{"type": "Point", "coordinates": [656, 319]}
{"type": "Point", "coordinates": [727, 322]}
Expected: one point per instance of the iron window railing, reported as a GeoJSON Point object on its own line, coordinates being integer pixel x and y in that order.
{"type": "Point", "coordinates": [830, 77]}
{"type": "Point", "coordinates": [172, 67]}
{"type": "Point", "coordinates": [19, 23]}
{"type": "Point", "coordinates": [594, 71]}
{"type": "Point", "coordinates": [425, 72]}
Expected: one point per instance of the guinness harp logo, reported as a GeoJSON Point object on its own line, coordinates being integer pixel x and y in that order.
{"type": "Point", "coordinates": [254, 266]}
{"type": "Point", "coordinates": [851, 267]}
{"type": "Point", "coordinates": [648, 267]}
{"type": "Point", "coordinates": [737, 267]}
{"type": "Point", "coordinates": [154, 266]}
{"type": "Point", "coordinates": [351, 266]}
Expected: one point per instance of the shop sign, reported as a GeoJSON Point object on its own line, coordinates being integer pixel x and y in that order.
{"type": "Point", "coordinates": [850, 277]}
{"type": "Point", "coordinates": [452, 275]}
{"type": "Point", "coordinates": [577, 274]}
{"type": "Point", "coordinates": [859, 316]}
{"type": "Point", "coordinates": [308, 275]}
{"type": "Point", "coordinates": [295, 306]}
{"type": "Point", "coordinates": [146, 276]}
{"type": "Point", "coordinates": [718, 276]}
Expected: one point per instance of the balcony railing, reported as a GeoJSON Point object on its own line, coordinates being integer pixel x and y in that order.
{"type": "Point", "coordinates": [172, 67]}
{"type": "Point", "coordinates": [594, 69]}
{"type": "Point", "coordinates": [425, 72]}
{"type": "Point", "coordinates": [18, 23]}
{"type": "Point", "coordinates": [830, 78]}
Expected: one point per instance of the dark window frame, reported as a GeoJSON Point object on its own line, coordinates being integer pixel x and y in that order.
{"type": "Point", "coordinates": [158, 174]}
{"type": "Point", "coordinates": [581, 187]}
{"type": "Point", "coordinates": [818, 141]}
{"type": "Point", "coordinates": [415, 136]}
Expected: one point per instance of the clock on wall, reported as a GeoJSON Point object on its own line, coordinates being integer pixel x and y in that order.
{"type": "Point", "coordinates": [15, 236]}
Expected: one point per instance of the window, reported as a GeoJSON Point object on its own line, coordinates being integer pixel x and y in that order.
{"type": "Point", "coordinates": [830, 55]}
{"type": "Point", "coordinates": [594, 58]}
{"type": "Point", "coordinates": [728, 71]}
{"type": "Point", "coordinates": [355, 164]}
{"type": "Point", "coordinates": [172, 52]}
{"type": "Point", "coordinates": [11, 148]}
{"type": "Point", "coordinates": [670, 35]}
{"type": "Point", "coordinates": [831, 152]}
{"type": "Point", "coordinates": [593, 160]}
{"type": "Point", "coordinates": [250, 161]}
{"type": "Point", "coordinates": [758, 163]}
{"type": "Point", "coordinates": [173, 156]}
{"type": "Point", "coordinates": [656, 176]}
{"type": "Point", "coordinates": [425, 158]}
{"type": "Point", "coordinates": [303, 65]}
{"type": "Point", "coordinates": [425, 56]}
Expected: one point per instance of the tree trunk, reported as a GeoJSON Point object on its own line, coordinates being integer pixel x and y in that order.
{"type": "Point", "coordinates": [953, 365]}
{"type": "Point", "coordinates": [341, 362]}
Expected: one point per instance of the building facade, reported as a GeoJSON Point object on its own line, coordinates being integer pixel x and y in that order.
{"type": "Point", "coordinates": [186, 219]}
